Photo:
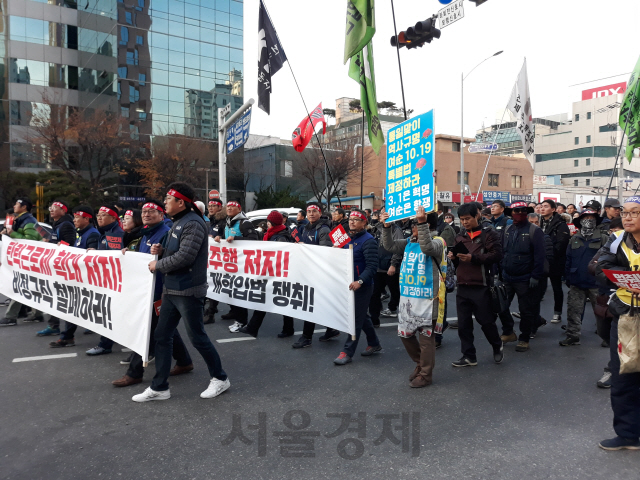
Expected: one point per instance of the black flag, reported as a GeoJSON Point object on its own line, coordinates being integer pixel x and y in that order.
{"type": "Point", "coordinates": [271, 57]}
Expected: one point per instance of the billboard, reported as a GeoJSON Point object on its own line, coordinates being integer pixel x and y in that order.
{"type": "Point", "coordinates": [604, 91]}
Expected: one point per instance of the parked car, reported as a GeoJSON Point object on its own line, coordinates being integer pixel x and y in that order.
{"type": "Point", "coordinates": [258, 216]}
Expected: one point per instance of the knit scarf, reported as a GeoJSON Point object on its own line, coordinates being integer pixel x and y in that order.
{"type": "Point", "coordinates": [272, 231]}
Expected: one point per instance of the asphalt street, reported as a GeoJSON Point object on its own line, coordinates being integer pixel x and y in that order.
{"type": "Point", "coordinates": [539, 415]}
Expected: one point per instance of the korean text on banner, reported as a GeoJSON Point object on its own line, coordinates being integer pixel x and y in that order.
{"type": "Point", "coordinates": [107, 292]}
{"type": "Point", "coordinates": [410, 181]}
{"type": "Point", "coordinates": [302, 281]}
{"type": "Point", "coordinates": [625, 280]}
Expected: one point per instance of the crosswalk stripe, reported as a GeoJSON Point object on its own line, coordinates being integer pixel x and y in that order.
{"type": "Point", "coordinates": [44, 357]}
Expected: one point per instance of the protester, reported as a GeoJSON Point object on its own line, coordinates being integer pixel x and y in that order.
{"type": "Point", "coordinates": [538, 208]}
{"type": "Point", "coordinates": [183, 261]}
{"type": "Point", "coordinates": [132, 226]}
{"type": "Point", "coordinates": [582, 286]}
{"type": "Point", "coordinates": [449, 218]}
{"type": "Point", "coordinates": [622, 253]}
{"type": "Point", "coordinates": [276, 232]}
{"type": "Point", "coordinates": [217, 224]}
{"type": "Point", "coordinates": [238, 227]}
{"type": "Point", "coordinates": [560, 208]}
{"type": "Point", "coordinates": [554, 226]}
{"type": "Point", "coordinates": [612, 209]}
{"type": "Point", "coordinates": [571, 209]}
{"type": "Point", "coordinates": [64, 232]}
{"type": "Point", "coordinates": [301, 220]}
{"type": "Point", "coordinates": [88, 238]}
{"type": "Point", "coordinates": [421, 314]}
{"type": "Point", "coordinates": [111, 238]}
{"type": "Point", "coordinates": [154, 232]}
{"type": "Point", "coordinates": [532, 205]}
{"type": "Point", "coordinates": [474, 275]}
{"type": "Point", "coordinates": [316, 232]}
{"type": "Point", "coordinates": [24, 227]}
{"type": "Point", "coordinates": [522, 269]}
{"type": "Point", "coordinates": [365, 265]}
{"type": "Point", "coordinates": [498, 219]}
{"type": "Point", "coordinates": [339, 218]}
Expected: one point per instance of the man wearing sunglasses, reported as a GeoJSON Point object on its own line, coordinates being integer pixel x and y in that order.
{"type": "Point", "coordinates": [522, 269]}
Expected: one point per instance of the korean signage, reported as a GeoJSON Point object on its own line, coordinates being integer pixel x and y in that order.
{"type": "Point", "coordinates": [453, 12]}
{"type": "Point", "coordinates": [489, 196]}
{"type": "Point", "coordinates": [539, 179]}
{"type": "Point", "coordinates": [410, 181]}
{"type": "Point", "coordinates": [483, 147]}
{"type": "Point", "coordinates": [521, 198]}
{"type": "Point", "coordinates": [238, 133]}
{"type": "Point", "coordinates": [581, 200]}
{"type": "Point", "coordinates": [339, 236]}
{"type": "Point", "coordinates": [548, 196]}
{"type": "Point", "coordinates": [445, 196]}
{"type": "Point", "coordinates": [626, 280]}
{"type": "Point", "coordinates": [604, 91]}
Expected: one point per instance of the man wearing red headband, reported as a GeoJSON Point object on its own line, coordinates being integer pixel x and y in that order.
{"type": "Point", "coordinates": [111, 238]}
{"type": "Point", "coordinates": [237, 227]}
{"type": "Point", "coordinates": [217, 223]}
{"type": "Point", "coordinates": [183, 262]}
{"type": "Point", "coordinates": [316, 232]}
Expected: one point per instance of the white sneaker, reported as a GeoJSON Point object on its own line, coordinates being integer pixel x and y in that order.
{"type": "Point", "coordinates": [216, 387]}
{"type": "Point", "coordinates": [389, 313]}
{"type": "Point", "coordinates": [235, 327]}
{"type": "Point", "coordinates": [557, 318]}
{"type": "Point", "coordinates": [149, 395]}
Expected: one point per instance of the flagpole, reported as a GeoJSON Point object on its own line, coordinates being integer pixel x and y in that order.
{"type": "Point", "coordinates": [491, 152]}
{"type": "Point", "coordinates": [395, 31]}
{"type": "Point", "coordinates": [326, 164]}
{"type": "Point", "coordinates": [362, 164]}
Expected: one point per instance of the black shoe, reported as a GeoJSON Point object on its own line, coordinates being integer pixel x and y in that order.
{"type": "Point", "coordinates": [228, 316]}
{"type": "Point", "coordinates": [302, 342]}
{"type": "Point", "coordinates": [8, 322]}
{"type": "Point", "coordinates": [465, 362]}
{"type": "Point", "coordinates": [87, 332]}
{"type": "Point", "coordinates": [604, 344]}
{"type": "Point", "coordinates": [244, 329]}
{"type": "Point", "coordinates": [570, 340]}
{"type": "Point", "coordinates": [329, 334]}
{"type": "Point", "coordinates": [499, 355]}
{"type": "Point", "coordinates": [384, 297]}
{"type": "Point", "coordinates": [438, 344]}
{"type": "Point", "coordinates": [376, 324]}
{"type": "Point", "coordinates": [619, 443]}
{"type": "Point", "coordinates": [285, 334]}
{"type": "Point", "coordinates": [211, 318]}
{"type": "Point", "coordinates": [453, 324]}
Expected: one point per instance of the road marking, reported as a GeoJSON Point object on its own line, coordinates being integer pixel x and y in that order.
{"type": "Point", "coordinates": [44, 357]}
{"type": "Point", "coordinates": [239, 339]}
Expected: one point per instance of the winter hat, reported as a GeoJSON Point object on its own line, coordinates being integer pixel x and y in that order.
{"type": "Point", "coordinates": [200, 206]}
{"type": "Point", "coordinates": [275, 218]}
{"type": "Point", "coordinates": [508, 211]}
{"type": "Point", "coordinates": [585, 212]}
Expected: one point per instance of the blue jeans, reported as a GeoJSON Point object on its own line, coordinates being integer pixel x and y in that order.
{"type": "Point", "coordinates": [363, 321]}
{"type": "Point", "coordinates": [190, 309]}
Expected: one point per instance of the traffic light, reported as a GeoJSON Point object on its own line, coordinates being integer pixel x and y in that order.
{"type": "Point", "coordinates": [423, 32]}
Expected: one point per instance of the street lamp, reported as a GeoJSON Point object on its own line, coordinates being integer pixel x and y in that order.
{"type": "Point", "coordinates": [462, 123]}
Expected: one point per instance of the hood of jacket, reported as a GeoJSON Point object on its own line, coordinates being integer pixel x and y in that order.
{"type": "Point", "coordinates": [65, 218]}
{"type": "Point", "coordinates": [221, 215]}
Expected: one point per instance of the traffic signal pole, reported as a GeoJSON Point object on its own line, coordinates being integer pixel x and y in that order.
{"type": "Point", "coordinates": [395, 31]}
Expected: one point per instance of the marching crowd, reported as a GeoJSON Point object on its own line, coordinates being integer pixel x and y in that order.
{"type": "Point", "coordinates": [495, 254]}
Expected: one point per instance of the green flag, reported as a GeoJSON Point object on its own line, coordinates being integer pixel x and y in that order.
{"type": "Point", "coordinates": [361, 70]}
{"type": "Point", "coordinates": [361, 26]}
{"type": "Point", "coordinates": [631, 110]}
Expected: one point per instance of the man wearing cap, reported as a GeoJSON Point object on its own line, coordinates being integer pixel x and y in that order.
{"type": "Point", "coordinates": [183, 262]}
{"type": "Point", "coordinates": [155, 231]}
{"type": "Point", "coordinates": [582, 286]}
{"type": "Point", "coordinates": [612, 209]}
{"type": "Point", "coordinates": [622, 252]}
{"type": "Point", "coordinates": [522, 264]}
{"type": "Point", "coordinates": [237, 227]}
{"type": "Point", "coordinates": [111, 238]}
{"type": "Point", "coordinates": [63, 232]}
{"type": "Point", "coordinates": [87, 237]}
{"type": "Point", "coordinates": [316, 232]}
{"type": "Point", "coordinates": [556, 227]}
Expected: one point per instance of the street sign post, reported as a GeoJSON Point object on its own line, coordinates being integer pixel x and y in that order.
{"type": "Point", "coordinates": [214, 194]}
{"type": "Point", "coordinates": [453, 12]}
{"type": "Point", "coordinates": [483, 147]}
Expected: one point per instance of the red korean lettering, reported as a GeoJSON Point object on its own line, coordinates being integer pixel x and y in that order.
{"type": "Point", "coordinates": [215, 260]}
{"type": "Point", "coordinates": [103, 262]}
{"type": "Point", "coordinates": [230, 259]}
{"type": "Point", "coordinates": [252, 261]}
{"type": "Point", "coordinates": [35, 259]}
{"type": "Point", "coordinates": [267, 264]}
{"type": "Point", "coordinates": [92, 271]}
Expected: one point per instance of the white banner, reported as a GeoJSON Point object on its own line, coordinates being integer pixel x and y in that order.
{"type": "Point", "coordinates": [109, 293]}
{"type": "Point", "coordinates": [302, 281]}
{"type": "Point", "coordinates": [520, 106]}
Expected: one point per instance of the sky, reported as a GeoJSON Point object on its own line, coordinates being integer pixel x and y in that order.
{"type": "Point", "coordinates": [565, 42]}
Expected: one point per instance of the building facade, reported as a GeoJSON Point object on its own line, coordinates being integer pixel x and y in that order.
{"type": "Point", "coordinates": [165, 65]}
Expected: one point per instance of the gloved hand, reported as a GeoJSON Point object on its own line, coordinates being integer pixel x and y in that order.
{"type": "Point", "coordinates": [533, 283]}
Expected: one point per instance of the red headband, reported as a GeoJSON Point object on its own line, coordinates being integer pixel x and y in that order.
{"type": "Point", "coordinates": [128, 212]}
{"type": "Point", "coordinates": [518, 205]}
{"type": "Point", "coordinates": [83, 214]}
{"type": "Point", "coordinates": [234, 204]}
{"type": "Point", "coordinates": [216, 201]}
{"type": "Point", "coordinates": [177, 194]}
{"type": "Point", "coordinates": [313, 207]}
{"type": "Point", "coordinates": [109, 211]}
{"type": "Point", "coordinates": [358, 215]}
{"type": "Point", "coordinates": [154, 206]}
{"type": "Point", "coordinates": [58, 204]}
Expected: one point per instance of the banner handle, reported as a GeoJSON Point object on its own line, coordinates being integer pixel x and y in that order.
{"type": "Point", "coordinates": [353, 337]}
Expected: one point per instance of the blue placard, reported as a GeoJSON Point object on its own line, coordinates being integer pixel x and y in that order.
{"type": "Point", "coordinates": [490, 196]}
{"type": "Point", "coordinates": [410, 179]}
{"type": "Point", "coordinates": [238, 133]}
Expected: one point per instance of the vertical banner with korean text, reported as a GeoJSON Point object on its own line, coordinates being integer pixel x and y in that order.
{"type": "Point", "coordinates": [410, 181]}
{"type": "Point", "coordinates": [105, 291]}
{"type": "Point", "coordinates": [302, 281]}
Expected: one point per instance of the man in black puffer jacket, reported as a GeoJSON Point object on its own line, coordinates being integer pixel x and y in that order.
{"type": "Point", "coordinates": [388, 274]}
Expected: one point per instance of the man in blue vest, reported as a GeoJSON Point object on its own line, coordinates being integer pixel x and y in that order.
{"type": "Point", "coordinates": [365, 260]}
{"type": "Point", "coordinates": [111, 235]}
{"type": "Point", "coordinates": [316, 232]}
{"type": "Point", "coordinates": [154, 232]}
{"type": "Point", "coordinates": [499, 220]}
{"type": "Point", "coordinates": [88, 237]}
{"type": "Point", "coordinates": [183, 262]}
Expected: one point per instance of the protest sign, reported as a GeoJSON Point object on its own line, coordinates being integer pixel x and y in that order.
{"type": "Point", "coordinates": [624, 280]}
{"type": "Point", "coordinates": [410, 181]}
{"type": "Point", "coordinates": [105, 291]}
{"type": "Point", "coordinates": [302, 281]}
{"type": "Point", "coordinates": [339, 236]}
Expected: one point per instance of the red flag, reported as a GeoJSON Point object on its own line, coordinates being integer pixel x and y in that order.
{"type": "Point", "coordinates": [302, 135]}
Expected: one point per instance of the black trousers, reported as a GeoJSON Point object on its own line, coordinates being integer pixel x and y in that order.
{"type": "Point", "coordinates": [309, 327]}
{"type": "Point", "coordinates": [258, 317]}
{"type": "Point", "coordinates": [241, 313]}
{"type": "Point", "coordinates": [381, 281]}
{"type": "Point", "coordinates": [476, 300]}
{"type": "Point", "coordinates": [529, 305]}
{"type": "Point", "coordinates": [558, 294]}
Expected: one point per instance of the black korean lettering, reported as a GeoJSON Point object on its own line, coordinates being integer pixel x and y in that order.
{"type": "Point", "coordinates": [281, 292]}
{"type": "Point", "coordinates": [240, 288]}
{"type": "Point", "coordinates": [237, 433]}
{"type": "Point", "coordinates": [35, 293]}
{"type": "Point", "coordinates": [227, 284]}
{"type": "Point", "coordinates": [299, 443]}
{"type": "Point", "coordinates": [350, 448]}
{"type": "Point", "coordinates": [410, 429]}
{"type": "Point", "coordinates": [257, 292]}
{"type": "Point", "coordinates": [62, 298]}
{"type": "Point", "coordinates": [45, 289]}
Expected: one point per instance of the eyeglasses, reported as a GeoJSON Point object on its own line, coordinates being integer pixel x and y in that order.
{"type": "Point", "coordinates": [635, 214]}
{"type": "Point", "coordinates": [519, 210]}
